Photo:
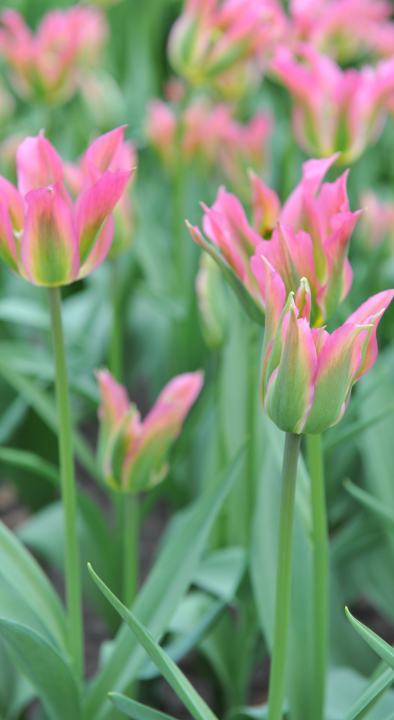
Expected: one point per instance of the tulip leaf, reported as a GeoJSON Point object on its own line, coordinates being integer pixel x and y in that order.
{"type": "Point", "coordinates": [371, 696]}
{"type": "Point", "coordinates": [24, 311]}
{"type": "Point", "coordinates": [136, 710]}
{"type": "Point", "coordinates": [250, 306]}
{"type": "Point", "coordinates": [45, 407]}
{"type": "Point", "coordinates": [370, 503]}
{"type": "Point", "coordinates": [177, 649]}
{"type": "Point", "coordinates": [47, 670]}
{"type": "Point", "coordinates": [383, 649]}
{"type": "Point", "coordinates": [159, 597]}
{"type": "Point", "coordinates": [171, 672]}
{"type": "Point", "coordinates": [337, 437]}
{"type": "Point", "coordinates": [24, 574]}
{"type": "Point", "coordinates": [30, 461]}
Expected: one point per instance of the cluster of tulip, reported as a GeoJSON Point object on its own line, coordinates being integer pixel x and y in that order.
{"type": "Point", "coordinates": [287, 262]}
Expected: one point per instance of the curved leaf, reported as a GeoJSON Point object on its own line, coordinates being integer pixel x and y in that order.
{"type": "Point", "coordinates": [48, 671]}
{"type": "Point", "coordinates": [136, 710]}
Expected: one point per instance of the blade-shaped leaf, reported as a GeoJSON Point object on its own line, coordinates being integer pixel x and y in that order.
{"type": "Point", "coordinates": [383, 649]}
{"type": "Point", "coordinates": [45, 408]}
{"type": "Point", "coordinates": [171, 672]}
{"type": "Point", "coordinates": [370, 503]}
{"type": "Point", "coordinates": [250, 306]}
{"type": "Point", "coordinates": [221, 572]}
{"type": "Point", "coordinates": [371, 696]}
{"type": "Point", "coordinates": [30, 461]}
{"type": "Point", "coordinates": [168, 581]}
{"type": "Point", "coordinates": [48, 671]}
{"type": "Point", "coordinates": [24, 574]}
{"type": "Point", "coordinates": [136, 710]}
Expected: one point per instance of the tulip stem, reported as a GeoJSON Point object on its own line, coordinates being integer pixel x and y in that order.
{"type": "Point", "coordinates": [320, 571]}
{"type": "Point", "coordinates": [130, 547]}
{"type": "Point", "coordinates": [115, 359]}
{"type": "Point", "coordinates": [66, 455]}
{"type": "Point", "coordinates": [276, 694]}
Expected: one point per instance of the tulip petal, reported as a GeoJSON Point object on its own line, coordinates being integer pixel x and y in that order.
{"type": "Point", "coordinates": [338, 362]}
{"type": "Point", "coordinates": [371, 311]}
{"type": "Point", "coordinates": [14, 202]}
{"type": "Point", "coordinates": [290, 389]}
{"type": "Point", "coordinates": [274, 296]}
{"type": "Point", "coordinates": [103, 150]}
{"type": "Point", "coordinates": [49, 247]}
{"type": "Point", "coordinates": [114, 401]}
{"type": "Point", "coordinates": [7, 243]}
{"type": "Point", "coordinates": [265, 206]}
{"type": "Point", "coordinates": [39, 165]}
{"type": "Point", "coordinates": [94, 206]}
{"type": "Point", "coordinates": [313, 172]}
{"type": "Point", "coordinates": [100, 250]}
{"type": "Point", "coordinates": [336, 249]}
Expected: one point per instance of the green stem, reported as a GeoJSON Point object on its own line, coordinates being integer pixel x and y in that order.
{"type": "Point", "coordinates": [73, 581]}
{"type": "Point", "coordinates": [130, 547]}
{"type": "Point", "coordinates": [320, 571]}
{"type": "Point", "coordinates": [115, 359]}
{"type": "Point", "coordinates": [276, 694]}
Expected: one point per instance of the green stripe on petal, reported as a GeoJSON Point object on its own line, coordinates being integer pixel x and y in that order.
{"type": "Point", "coordinates": [338, 364]}
{"type": "Point", "coordinates": [290, 389]}
{"type": "Point", "coordinates": [49, 247]}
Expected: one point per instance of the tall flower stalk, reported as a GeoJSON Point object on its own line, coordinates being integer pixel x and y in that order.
{"type": "Point", "coordinates": [67, 477]}
{"type": "Point", "coordinates": [277, 684]}
{"type": "Point", "coordinates": [315, 462]}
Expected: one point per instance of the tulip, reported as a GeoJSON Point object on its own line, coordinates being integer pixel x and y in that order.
{"type": "Point", "coordinates": [134, 452]}
{"type": "Point", "coordinates": [308, 374]}
{"type": "Point", "coordinates": [345, 29]}
{"type": "Point", "coordinates": [45, 237]}
{"type": "Point", "coordinates": [209, 134]}
{"type": "Point", "coordinates": [334, 109]}
{"type": "Point", "coordinates": [110, 152]}
{"type": "Point", "coordinates": [309, 237]}
{"type": "Point", "coordinates": [46, 66]}
{"type": "Point", "coordinates": [211, 39]}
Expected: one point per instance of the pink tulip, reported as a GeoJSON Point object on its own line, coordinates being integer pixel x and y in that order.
{"type": "Point", "coordinates": [109, 152]}
{"type": "Point", "coordinates": [345, 29]}
{"type": "Point", "coordinates": [308, 237]}
{"type": "Point", "coordinates": [334, 109]}
{"type": "Point", "coordinates": [46, 66]}
{"type": "Point", "coordinates": [212, 38]}
{"type": "Point", "coordinates": [136, 453]}
{"type": "Point", "coordinates": [308, 374]}
{"type": "Point", "coordinates": [210, 134]}
{"type": "Point", "coordinates": [44, 236]}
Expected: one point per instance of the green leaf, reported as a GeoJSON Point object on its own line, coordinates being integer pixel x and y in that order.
{"type": "Point", "coordinates": [44, 533]}
{"type": "Point", "coordinates": [249, 305]}
{"type": "Point", "coordinates": [383, 649]}
{"type": "Point", "coordinates": [371, 696]}
{"type": "Point", "coordinates": [24, 311]}
{"type": "Point", "coordinates": [221, 572]}
{"type": "Point", "coordinates": [156, 602]}
{"type": "Point", "coordinates": [48, 671]}
{"type": "Point", "coordinates": [136, 710]}
{"type": "Point", "coordinates": [12, 418]}
{"type": "Point", "coordinates": [15, 690]}
{"type": "Point", "coordinates": [46, 409]}
{"type": "Point", "coordinates": [337, 437]}
{"type": "Point", "coordinates": [24, 574]}
{"type": "Point", "coordinates": [370, 503]}
{"type": "Point", "coordinates": [177, 649]}
{"type": "Point", "coordinates": [30, 461]}
{"type": "Point", "coordinates": [174, 676]}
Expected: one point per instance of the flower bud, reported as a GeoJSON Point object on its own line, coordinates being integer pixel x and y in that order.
{"type": "Point", "coordinates": [134, 454]}
{"type": "Point", "coordinates": [211, 302]}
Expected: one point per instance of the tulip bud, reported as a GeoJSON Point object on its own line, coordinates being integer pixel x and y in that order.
{"type": "Point", "coordinates": [211, 302]}
{"type": "Point", "coordinates": [308, 374]}
{"type": "Point", "coordinates": [134, 454]}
